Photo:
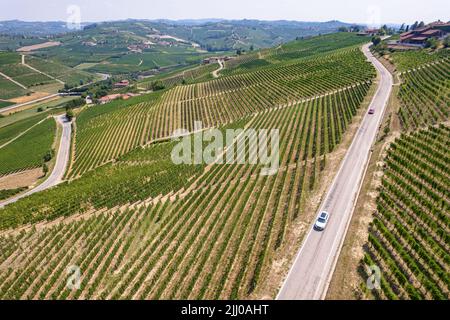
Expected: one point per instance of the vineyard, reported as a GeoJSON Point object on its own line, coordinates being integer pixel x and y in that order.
{"type": "Point", "coordinates": [197, 74]}
{"type": "Point", "coordinates": [425, 95]}
{"type": "Point", "coordinates": [68, 75]}
{"type": "Point", "coordinates": [408, 60]}
{"type": "Point", "coordinates": [24, 75]}
{"type": "Point", "coordinates": [28, 150]}
{"type": "Point", "coordinates": [11, 131]}
{"type": "Point", "coordinates": [409, 236]}
{"type": "Point", "coordinates": [301, 48]}
{"type": "Point", "coordinates": [215, 103]}
{"type": "Point", "coordinates": [214, 237]}
{"type": "Point", "coordinates": [9, 89]}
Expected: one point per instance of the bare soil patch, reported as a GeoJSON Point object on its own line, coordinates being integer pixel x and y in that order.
{"type": "Point", "coordinates": [31, 97]}
{"type": "Point", "coordinates": [47, 44]}
{"type": "Point", "coordinates": [21, 179]}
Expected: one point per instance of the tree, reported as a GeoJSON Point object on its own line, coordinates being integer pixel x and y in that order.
{"type": "Point", "coordinates": [384, 30]}
{"type": "Point", "coordinates": [157, 85]}
{"type": "Point", "coordinates": [238, 52]}
{"type": "Point", "coordinates": [355, 28]}
{"type": "Point", "coordinates": [447, 42]}
{"type": "Point", "coordinates": [49, 155]}
{"type": "Point", "coordinates": [252, 48]}
{"type": "Point", "coordinates": [414, 26]}
{"type": "Point", "coordinates": [343, 29]}
{"type": "Point", "coordinates": [40, 109]}
{"type": "Point", "coordinates": [45, 169]}
{"type": "Point", "coordinates": [407, 28]}
{"type": "Point", "coordinates": [402, 28]}
{"type": "Point", "coordinates": [431, 43]}
{"type": "Point", "coordinates": [376, 40]}
{"type": "Point", "coordinates": [421, 24]}
{"type": "Point", "coordinates": [69, 114]}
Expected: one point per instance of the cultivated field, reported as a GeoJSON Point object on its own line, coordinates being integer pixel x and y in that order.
{"type": "Point", "coordinates": [425, 95]}
{"type": "Point", "coordinates": [409, 236]}
{"type": "Point", "coordinates": [28, 150]}
{"type": "Point", "coordinates": [215, 103]}
{"type": "Point", "coordinates": [140, 226]}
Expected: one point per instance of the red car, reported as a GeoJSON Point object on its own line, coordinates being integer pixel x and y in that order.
{"type": "Point", "coordinates": [371, 111]}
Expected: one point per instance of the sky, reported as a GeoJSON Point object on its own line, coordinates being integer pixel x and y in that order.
{"type": "Point", "coordinates": [370, 12]}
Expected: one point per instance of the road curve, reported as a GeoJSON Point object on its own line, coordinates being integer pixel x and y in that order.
{"type": "Point", "coordinates": [62, 160]}
{"type": "Point", "coordinates": [316, 260]}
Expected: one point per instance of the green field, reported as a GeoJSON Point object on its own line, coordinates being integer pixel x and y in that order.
{"type": "Point", "coordinates": [12, 130]}
{"type": "Point", "coordinates": [9, 89]}
{"type": "Point", "coordinates": [10, 65]}
{"type": "Point", "coordinates": [5, 194]}
{"type": "Point", "coordinates": [48, 108]}
{"type": "Point", "coordinates": [28, 150]}
{"type": "Point", "coordinates": [68, 75]}
{"type": "Point", "coordinates": [4, 104]}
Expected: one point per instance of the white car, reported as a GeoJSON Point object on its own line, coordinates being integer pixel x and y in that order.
{"type": "Point", "coordinates": [322, 221]}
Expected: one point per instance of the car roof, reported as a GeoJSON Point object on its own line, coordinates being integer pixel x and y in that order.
{"type": "Point", "coordinates": [324, 214]}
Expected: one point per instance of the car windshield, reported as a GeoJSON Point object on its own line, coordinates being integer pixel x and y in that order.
{"type": "Point", "coordinates": [321, 220]}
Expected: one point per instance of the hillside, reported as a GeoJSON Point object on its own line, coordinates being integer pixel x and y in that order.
{"type": "Point", "coordinates": [137, 46]}
{"type": "Point", "coordinates": [137, 224]}
{"type": "Point", "coordinates": [24, 75]}
{"type": "Point", "coordinates": [401, 222]}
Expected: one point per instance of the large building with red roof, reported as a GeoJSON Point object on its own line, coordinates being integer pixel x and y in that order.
{"type": "Point", "coordinates": [437, 30]}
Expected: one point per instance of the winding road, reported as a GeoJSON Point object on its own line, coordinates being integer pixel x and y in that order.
{"type": "Point", "coordinates": [59, 169]}
{"type": "Point", "coordinates": [313, 268]}
{"type": "Point", "coordinates": [216, 72]}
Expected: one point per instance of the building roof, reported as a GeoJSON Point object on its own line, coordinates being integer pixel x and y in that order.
{"type": "Point", "coordinates": [419, 38]}
{"type": "Point", "coordinates": [432, 32]}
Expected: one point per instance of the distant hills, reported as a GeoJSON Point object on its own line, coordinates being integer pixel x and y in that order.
{"type": "Point", "coordinates": [211, 34]}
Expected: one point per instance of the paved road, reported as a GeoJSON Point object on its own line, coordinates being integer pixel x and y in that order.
{"type": "Point", "coordinates": [62, 160]}
{"type": "Point", "coordinates": [314, 265]}
{"type": "Point", "coordinates": [7, 109]}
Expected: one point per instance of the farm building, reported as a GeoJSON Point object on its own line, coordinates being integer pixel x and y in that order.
{"type": "Point", "coordinates": [122, 84]}
{"type": "Point", "coordinates": [369, 32]}
{"type": "Point", "coordinates": [418, 37]}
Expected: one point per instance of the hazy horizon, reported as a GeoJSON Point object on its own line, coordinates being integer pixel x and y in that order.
{"type": "Point", "coordinates": [350, 11]}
